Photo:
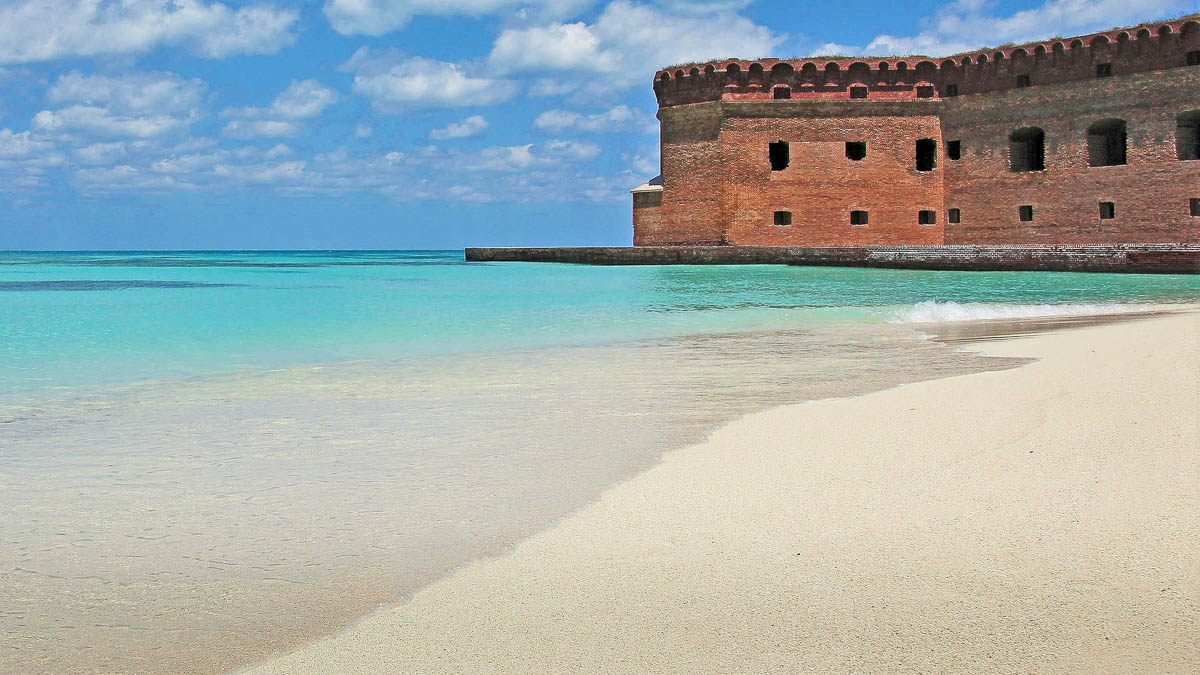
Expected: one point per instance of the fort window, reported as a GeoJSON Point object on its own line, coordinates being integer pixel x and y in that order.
{"type": "Point", "coordinates": [1025, 213]}
{"type": "Point", "coordinates": [783, 92]}
{"type": "Point", "coordinates": [927, 217]}
{"type": "Point", "coordinates": [1196, 207]}
{"type": "Point", "coordinates": [951, 90]}
{"type": "Point", "coordinates": [1187, 135]}
{"type": "Point", "coordinates": [926, 154]}
{"type": "Point", "coordinates": [953, 216]}
{"type": "Point", "coordinates": [1023, 81]}
{"type": "Point", "coordinates": [1106, 143]}
{"type": "Point", "coordinates": [858, 92]}
{"type": "Point", "coordinates": [1108, 210]}
{"type": "Point", "coordinates": [954, 150]}
{"type": "Point", "coordinates": [856, 150]}
{"type": "Point", "coordinates": [1104, 70]}
{"type": "Point", "coordinates": [858, 217]}
{"type": "Point", "coordinates": [925, 92]}
{"type": "Point", "coordinates": [779, 155]}
{"type": "Point", "coordinates": [1027, 149]}
{"type": "Point", "coordinates": [1193, 58]}
{"type": "Point", "coordinates": [783, 217]}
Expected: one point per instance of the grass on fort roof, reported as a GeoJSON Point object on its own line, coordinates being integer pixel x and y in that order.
{"type": "Point", "coordinates": [1006, 45]}
{"type": "Point", "coordinates": [814, 57]}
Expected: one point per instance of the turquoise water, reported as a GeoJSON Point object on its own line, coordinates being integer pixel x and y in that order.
{"type": "Point", "coordinates": [73, 319]}
{"type": "Point", "coordinates": [207, 457]}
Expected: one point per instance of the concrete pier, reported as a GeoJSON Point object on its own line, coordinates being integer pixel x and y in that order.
{"type": "Point", "coordinates": [1142, 258]}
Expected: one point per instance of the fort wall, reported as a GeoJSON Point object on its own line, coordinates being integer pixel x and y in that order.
{"type": "Point", "coordinates": [978, 112]}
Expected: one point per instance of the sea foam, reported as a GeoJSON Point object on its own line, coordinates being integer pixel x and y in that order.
{"type": "Point", "coordinates": [933, 311]}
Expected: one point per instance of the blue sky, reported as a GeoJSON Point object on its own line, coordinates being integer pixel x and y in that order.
{"type": "Point", "coordinates": [133, 124]}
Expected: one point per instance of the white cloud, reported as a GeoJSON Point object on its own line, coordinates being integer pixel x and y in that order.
{"type": "Point", "coordinates": [130, 93]}
{"type": "Point", "coordinates": [94, 121]}
{"type": "Point", "coordinates": [967, 25]}
{"type": "Point", "coordinates": [100, 153]}
{"type": "Point", "coordinates": [260, 129]}
{"type": "Point", "coordinates": [20, 144]}
{"type": "Point", "coordinates": [530, 156]}
{"type": "Point", "coordinates": [302, 100]}
{"type": "Point", "coordinates": [463, 129]}
{"type": "Point", "coordinates": [376, 17]}
{"type": "Point", "coordinates": [619, 118]}
{"type": "Point", "coordinates": [363, 131]}
{"type": "Point", "coordinates": [626, 44]}
{"type": "Point", "coordinates": [43, 30]}
{"type": "Point", "coordinates": [394, 85]}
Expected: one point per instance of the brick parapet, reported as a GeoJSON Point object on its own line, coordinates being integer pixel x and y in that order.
{"type": "Point", "coordinates": [1154, 46]}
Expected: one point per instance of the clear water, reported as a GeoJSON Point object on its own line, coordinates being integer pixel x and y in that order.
{"type": "Point", "coordinates": [210, 456]}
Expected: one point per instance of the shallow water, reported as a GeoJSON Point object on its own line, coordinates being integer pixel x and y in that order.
{"type": "Point", "coordinates": [170, 511]}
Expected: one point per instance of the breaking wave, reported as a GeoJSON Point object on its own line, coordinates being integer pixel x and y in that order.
{"type": "Point", "coordinates": [932, 311]}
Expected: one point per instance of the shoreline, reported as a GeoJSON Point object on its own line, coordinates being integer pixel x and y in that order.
{"type": "Point", "coordinates": [468, 620]}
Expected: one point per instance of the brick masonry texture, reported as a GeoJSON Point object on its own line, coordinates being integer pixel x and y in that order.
{"type": "Point", "coordinates": [1148, 258]}
{"type": "Point", "coordinates": [718, 119]}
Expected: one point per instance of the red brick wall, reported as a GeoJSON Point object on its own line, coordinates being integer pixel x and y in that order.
{"type": "Point", "coordinates": [821, 185]}
{"type": "Point", "coordinates": [1151, 192]}
{"type": "Point", "coordinates": [716, 127]}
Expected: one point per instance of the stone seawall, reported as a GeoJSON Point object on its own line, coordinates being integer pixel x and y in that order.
{"type": "Point", "coordinates": [1146, 258]}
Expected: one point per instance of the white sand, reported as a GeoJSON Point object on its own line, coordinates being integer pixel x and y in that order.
{"type": "Point", "coordinates": [1039, 519]}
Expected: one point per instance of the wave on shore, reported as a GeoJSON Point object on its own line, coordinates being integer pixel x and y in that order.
{"type": "Point", "coordinates": [934, 311]}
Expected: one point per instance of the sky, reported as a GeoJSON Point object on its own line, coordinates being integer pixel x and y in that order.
{"type": "Point", "coordinates": [391, 124]}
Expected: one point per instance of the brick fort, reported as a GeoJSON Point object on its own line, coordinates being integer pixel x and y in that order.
{"type": "Point", "coordinates": [1088, 144]}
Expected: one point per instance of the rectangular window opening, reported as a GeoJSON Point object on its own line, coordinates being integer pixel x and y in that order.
{"type": "Point", "coordinates": [925, 92]}
{"type": "Point", "coordinates": [926, 154]}
{"type": "Point", "coordinates": [1193, 58]}
{"type": "Point", "coordinates": [1108, 210]}
{"type": "Point", "coordinates": [856, 150]}
{"type": "Point", "coordinates": [1187, 135]}
{"type": "Point", "coordinates": [1027, 149]}
{"type": "Point", "coordinates": [954, 150]}
{"type": "Point", "coordinates": [783, 92]}
{"type": "Point", "coordinates": [858, 92]}
{"type": "Point", "coordinates": [1104, 70]}
{"type": "Point", "coordinates": [779, 154]}
{"type": "Point", "coordinates": [1023, 81]}
{"type": "Point", "coordinates": [951, 90]}
{"type": "Point", "coordinates": [1026, 213]}
{"type": "Point", "coordinates": [953, 216]}
{"type": "Point", "coordinates": [927, 217]}
{"type": "Point", "coordinates": [1196, 207]}
{"type": "Point", "coordinates": [783, 217]}
{"type": "Point", "coordinates": [858, 217]}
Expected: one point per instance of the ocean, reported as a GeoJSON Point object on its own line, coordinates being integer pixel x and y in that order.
{"type": "Point", "coordinates": [211, 456]}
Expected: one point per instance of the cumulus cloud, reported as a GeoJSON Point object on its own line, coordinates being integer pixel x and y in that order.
{"type": "Point", "coordinates": [260, 129]}
{"type": "Point", "coordinates": [626, 43]}
{"type": "Point", "coordinates": [966, 25]}
{"type": "Point", "coordinates": [130, 93]}
{"type": "Point", "coordinates": [376, 17]}
{"type": "Point", "coordinates": [619, 118]}
{"type": "Point", "coordinates": [43, 30]}
{"type": "Point", "coordinates": [96, 121]}
{"type": "Point", "coordinates": [100, 153]}
{"type": "Point", "coordinates": [129, 105]}
{"type": "Point", "coordinates": [462, 129]}
{"type": "Point", "coordinates": [393, 84]}
{"type": "Point", "coordinates": [302, 100]}
{"type": "Point", "coordinates": [19, 144]}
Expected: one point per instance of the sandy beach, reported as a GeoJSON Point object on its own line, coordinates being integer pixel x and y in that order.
{"type": "Point", "coordinates": [1037, 519]}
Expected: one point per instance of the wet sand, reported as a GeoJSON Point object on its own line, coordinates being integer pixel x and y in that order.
{"type": "Point", "coordinates": [1037, 519]}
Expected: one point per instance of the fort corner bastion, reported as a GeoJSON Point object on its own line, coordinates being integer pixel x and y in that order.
{"type": "Point", "coordinates": [1075, 154]}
